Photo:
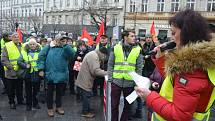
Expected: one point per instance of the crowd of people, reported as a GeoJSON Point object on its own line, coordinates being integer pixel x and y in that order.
{"type": "Point", "coordinates": [182, 77]}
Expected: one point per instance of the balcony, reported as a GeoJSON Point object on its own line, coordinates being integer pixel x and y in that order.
{"type": "Point", "coordinates": [162, 15]}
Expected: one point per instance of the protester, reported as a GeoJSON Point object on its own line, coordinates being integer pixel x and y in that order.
{"type": "Point", "coordinates": [53, 64]}
{"type": "Point", "coordinates": [5, 39]}
{"type": "Point", "coordinates": [99, 81]}
{"type": "Point", "coordinates": [124, 57]}
{"type": "Point", "coordinates": [27, 61]}
{"type": "Point", "coordinates": [10, 54]}
{"type": "Point", "coordinates": [90, 68]}
{"type": "Point", "coordinates": [187, 92]}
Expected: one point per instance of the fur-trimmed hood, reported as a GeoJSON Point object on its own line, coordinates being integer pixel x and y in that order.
{"type": "Point", "coordinates": [191, 57]}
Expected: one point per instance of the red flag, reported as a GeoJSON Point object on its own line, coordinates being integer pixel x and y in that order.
{"type": "Point", "coordinates": [86, 35]}
{"type": "Point", "coordinates": [152, 32]}
{"type": "Point", "coordinates": [19, 34]}
{"type": "Point", "coordinates": [101, 32]}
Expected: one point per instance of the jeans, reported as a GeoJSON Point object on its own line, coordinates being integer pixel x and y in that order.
{"type": "Point", "coordinates": [85, 95]}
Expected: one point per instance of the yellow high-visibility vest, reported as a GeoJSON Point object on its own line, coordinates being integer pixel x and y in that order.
{"type": "Point", "coordinates": [167, 92]}
{"type": "Point", "coordinates": [13, 54]}
{"type": "Point", "coordinates": [124, 65]}
{"type": "Point", "coordinates": [28, 59]}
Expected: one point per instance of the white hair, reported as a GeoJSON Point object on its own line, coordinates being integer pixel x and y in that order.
{"type": "Point", "coordinates": [32, 40]}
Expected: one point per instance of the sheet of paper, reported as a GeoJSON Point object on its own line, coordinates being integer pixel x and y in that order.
{"type": "Point", "coordinates": [142, 82]}
{"type": "Point", "coordinates": [106, 77]}
{"type": "Point", "coordinates": [132, 97]}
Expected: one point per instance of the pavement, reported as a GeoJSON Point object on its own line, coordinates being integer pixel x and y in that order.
{"type": "Point", "coordinates": [71, 106]}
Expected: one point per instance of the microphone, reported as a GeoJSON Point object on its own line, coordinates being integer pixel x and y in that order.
{"type": "Point", "coordinates": [164, 46]}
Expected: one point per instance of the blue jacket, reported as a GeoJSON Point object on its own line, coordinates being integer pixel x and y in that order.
{"type": "Point", "coordinates": [54, 62]}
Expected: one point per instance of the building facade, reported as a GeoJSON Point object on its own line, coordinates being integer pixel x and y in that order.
{"type": "Point", "coordinates": [140, 14]}
{"type": "Point", "coordinates": [27, 13]}
{"type": "Point", "coordinates": [79, 13]}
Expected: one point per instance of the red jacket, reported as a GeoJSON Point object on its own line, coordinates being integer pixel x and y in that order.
{"type": "Point", "coordinates": [187, 98]}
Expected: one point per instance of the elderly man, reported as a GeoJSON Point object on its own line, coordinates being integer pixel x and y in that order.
{"type": "Point", "coordinates": [53, 64]}
{"type": "Point", "coordinates": [90, 68]}
{"type": "Point", "coordinates": [10, 54]}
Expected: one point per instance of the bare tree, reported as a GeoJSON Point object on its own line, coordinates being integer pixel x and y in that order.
{"type": "Point", "coordinates": [98, 12]}
{"type": "Point", "coordinates": [11, 23]}
{"type": "Point", "coordinates": [36, 24]}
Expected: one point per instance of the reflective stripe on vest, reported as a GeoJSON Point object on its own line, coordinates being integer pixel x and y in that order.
{"type": "Point", "coordinates": [33, 61]}
{"type": "Point", "coordinates": [13, 54]}
{"type": "Point", "coordinates": [167, 92]}
{"type": "Point", "coordinates": [122, 65]}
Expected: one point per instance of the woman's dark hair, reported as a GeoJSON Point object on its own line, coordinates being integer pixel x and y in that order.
{"type": "Point", "coordinates": [193, 26]}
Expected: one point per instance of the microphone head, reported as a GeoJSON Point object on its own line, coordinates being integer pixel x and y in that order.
{"type": "Point", "coordinates": [169, 45]}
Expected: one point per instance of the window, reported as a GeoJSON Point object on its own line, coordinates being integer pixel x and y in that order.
{"type": "Point", "coordinates": [66, 19]}
{"type": "Point", "coordinates": [144, 5]}
{"type": "Point", "coordinates": [116, 1]}
{"type": "Point", "coordinates": [61, 3]}
{"type": "Point", "coordinates": [68, 3]}
{"type": "Point", "coordinates": [53, 19]}
{"type": "Point", "coordinates": [47, 19]}
{"type": "Point", "coordinates": [105, 1]}
{"type": "Point", "coordinates": [94, 1]}
{"type": "Point", "coordinates": [22, 13]}
{"type": "Point", "coordinates": [191, 4]}
{"type": "Point", "coordinates": [132, 6]}
{"type": "Point", "coordinates": [59, 19]}
{"type": "Point", "coordinates": [54, 3]}
{"type": "Point", "coordinates": [76, 2]}
{"type": "Point", "coordinates": [17, 11]}
{"type": "Point", "coordinates": [35, 12]}
{"type": "Point", "coordinates": [160, 5]}
{"type": "Point", "coordinates": [29, 12]}
{"type": "Point", "coordinates": [26, 12]}
{"type": "Point", "coordinates": [115, 21]}
{"type": "Point", "coordinates": [40, 11]}
{"type": "Point", "coordinates": [14, 13]}
{"type": "Point", "coordinates": [175, 5]}
{"type": "Point", "coordinates": [142, 32]}
{"type": "Point", "coordinates": [211, 5]}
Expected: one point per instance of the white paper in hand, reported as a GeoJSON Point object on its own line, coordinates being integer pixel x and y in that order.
{"type": "Point", "coordinates": [132, 97]}
{"type": "Point", "coordinates": [142, 82]}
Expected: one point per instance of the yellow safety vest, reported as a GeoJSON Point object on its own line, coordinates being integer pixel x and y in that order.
{"type": "Point", "coordinates": [28, 59]}
{"type": "Point", "coordinates": [13, 54]}
{"type": "Point", "coordinates": [124, 65]}
{"type": "Point", "coordinates": [167, 92]}
{"type": "Point", "coordinates": [2, 43]}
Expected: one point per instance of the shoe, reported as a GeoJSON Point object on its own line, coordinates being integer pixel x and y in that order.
{"type": "Point", "coordinates": [60, 111]}
{"type": "Point", "coordinates": [37, 106]}
{"type": "Point", "coordinates": [28, 108]}
{"type": "Point", "coordinates": [88, 115]}
{"type": "Point", "coordinates": [50, 112]}
{"type": "Point", "coordinates": [12, 106]}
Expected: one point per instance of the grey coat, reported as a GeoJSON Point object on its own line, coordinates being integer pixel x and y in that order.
{"type": "Point", "coordinates": [90, 68]}
{"type": "Point", "coordinates": [10, 73]}
{"type": "Point", "coordinates": [122, 82]}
